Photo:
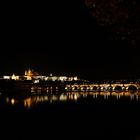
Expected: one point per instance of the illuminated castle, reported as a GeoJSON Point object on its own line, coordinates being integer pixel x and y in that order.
{"type": "Point", "coordinates": [30, 74]}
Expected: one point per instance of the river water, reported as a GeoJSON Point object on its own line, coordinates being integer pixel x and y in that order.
{"type": "Point", "coordinates": [111, 115]}
{"type": "Point", "coordinates": [34, 100]}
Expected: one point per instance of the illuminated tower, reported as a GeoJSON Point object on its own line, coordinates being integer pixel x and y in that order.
{"type": "Point", "coordinates": [25, 72]}
{"type": "Point", "coordinates": [28, 74]}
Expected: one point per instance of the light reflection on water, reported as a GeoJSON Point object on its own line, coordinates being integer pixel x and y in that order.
{"type": "Point", "coordinates": [71, 96]}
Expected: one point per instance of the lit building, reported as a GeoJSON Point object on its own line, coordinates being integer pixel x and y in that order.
{"type": "Point", "coordinates": [31, 75]}
{"type": "Point", "coordinates": [6, 77]}
{"type": "Point", "coordinates": [14, 77]}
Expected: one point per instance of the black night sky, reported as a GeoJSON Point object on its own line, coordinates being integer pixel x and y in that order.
{"type": "Point", "coordinates": [89, 39]}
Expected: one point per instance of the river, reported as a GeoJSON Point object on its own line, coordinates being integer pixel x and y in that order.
{"type": "Point", "coordinates": [107, 115]}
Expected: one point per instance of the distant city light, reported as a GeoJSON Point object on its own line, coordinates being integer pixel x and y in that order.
{"type": "Point", "coordinates": [14, 77]}
{"type": "Point", "coordinates": [36, 81]}
{"type": "Point", "coordinates": [31, 75]}
{"type": "Point", "coordinates": [12, 101]}
{"type": "Point", "coordinates": [6, 77]}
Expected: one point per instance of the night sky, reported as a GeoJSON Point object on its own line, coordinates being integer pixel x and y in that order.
{"type": "Point", "coordinates": [93, 39]}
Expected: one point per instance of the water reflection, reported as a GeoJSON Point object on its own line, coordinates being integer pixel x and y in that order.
{"type": "Point", "coordinates": [12, 101]}
{"type": "Point", "coordinates": [28, 102]}
{"type": "Point", "coordinates": [71, 96]}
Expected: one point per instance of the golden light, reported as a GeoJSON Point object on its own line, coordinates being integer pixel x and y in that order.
{"type": "Point", "coordinates": [7, 99]}
{"type": "Point", "coordinates": [63, 97]}
{"type": "Point", "coordinates": [14, 77]}
{"type": "Point", "coordinates": [6, 77]}
{"type": "Point", "coordinates": [12, 101]}
{"type": "Point", "coordinates": [27, 103]}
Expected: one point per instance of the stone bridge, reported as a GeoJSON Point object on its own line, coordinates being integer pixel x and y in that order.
{"type": "Point", "coordinates": [103, 87]}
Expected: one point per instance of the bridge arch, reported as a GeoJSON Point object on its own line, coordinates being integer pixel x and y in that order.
{"type": "Point", "coordinates": [118, 88]}
{"type": "Point", "coordinates": [94, 88]}
{"type": "Point", "coordinates": [68, 88]}
{"type": "Point", "coordinates": [123, 88]}
{"type": "Point", "coordinates": [109, 88]}
{"type": "Point", "coordinates": [84, 88]}
{"type": "Point", "coordinates": [132, 87]}
{"type": "Point", "coordinates": [75, 87]}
